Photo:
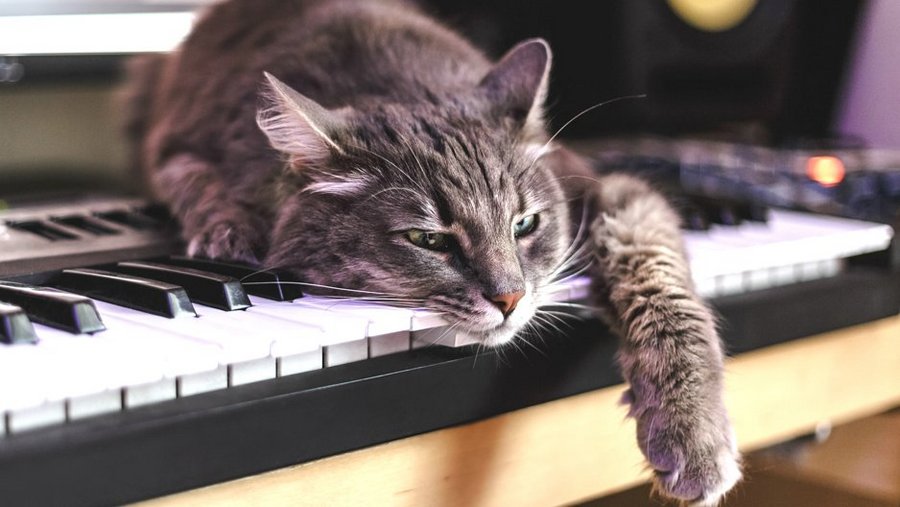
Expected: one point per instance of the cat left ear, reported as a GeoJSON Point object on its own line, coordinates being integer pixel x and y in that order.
{"type": "Point", "coordinates": [298, 125]}
{"type": "Point", "coordinates": [517, 85]}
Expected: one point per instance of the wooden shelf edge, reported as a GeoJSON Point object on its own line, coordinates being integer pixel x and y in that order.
{"type": "Point", "coordinates": [582, 446]}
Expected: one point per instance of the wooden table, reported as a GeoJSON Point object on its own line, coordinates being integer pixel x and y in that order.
{"type": "Point", "coordinates": [582, 447]}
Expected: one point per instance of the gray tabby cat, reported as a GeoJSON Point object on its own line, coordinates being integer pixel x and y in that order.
{"type": "Point", "coordinates": [364, 146]}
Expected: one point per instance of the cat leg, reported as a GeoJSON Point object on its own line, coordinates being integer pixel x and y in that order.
{"type": "Point", "coordinates": [212, 224]}
{"type": "Point", "coordinates": [670, 352]}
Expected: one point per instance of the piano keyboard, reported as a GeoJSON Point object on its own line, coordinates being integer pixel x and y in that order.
{"type": "Point", "coordinates": [138, 327]}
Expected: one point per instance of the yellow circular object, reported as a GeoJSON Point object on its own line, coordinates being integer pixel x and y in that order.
{"type": "Point", "coordinates": [712, 15]}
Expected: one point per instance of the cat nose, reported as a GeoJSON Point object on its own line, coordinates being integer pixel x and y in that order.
{"type": "Point", "coordinates": [507, 302]}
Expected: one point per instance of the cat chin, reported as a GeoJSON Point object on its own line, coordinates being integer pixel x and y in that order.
{"type": "Point", "coordinates": [504, 333]}
{"type": "Point", "coordinates": [498, 337]}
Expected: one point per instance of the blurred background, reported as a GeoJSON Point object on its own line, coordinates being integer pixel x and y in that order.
{"type": "Point", "coordinates": [764, 84]}
{"type": "Point", "coordinates": [788, 103]}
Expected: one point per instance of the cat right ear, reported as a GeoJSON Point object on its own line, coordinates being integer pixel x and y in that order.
{"type": "Point", "coordinates": [517, 85]}
{"type": "Point", "coordinates": [299, 126]}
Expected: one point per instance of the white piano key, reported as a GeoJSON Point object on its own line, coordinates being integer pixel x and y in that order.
{"type": "Point", "coordinates": [333, 330]}
{"type": "Point", "coordinates": [81, 407]}
{"type": "Point", "coordinates": [233, 343]}
{"type": "Point", "coordinates": [147, 394]}
{"type": "Point", "coordinates": [181, 355]}
{"type": "Point", "coordinates": [382, 319]}
{"type": "Point", "coordinates": [831, 267]}
{"type": "Point", "coordinates": [757, 279]}
{"type": "Point", "coordinates": [251, 371]}
{"type": "Point", "coordinates": [388, 328]}
{"type": "Point", "coordinates": [204, 382]}
{"type": "Point", "coordinates": [787, 239]}
{"type": "Point", "coordinates": [444, 335]}
{"type": "Point", "coordinates": [462, 339]}
{"type": "Point", "coordinates": [430, 328]}
{"type": "Point", "coordinates": [730, 283]}
{"type": "Point", "coordinates": [29, 370]}
{"type": "Point", "coordinates": [783, 275]}
{"type": "Point", "coordinates": [50, 413]}
{"type": "Point", "coordinates": [807, 271]}
{"type": "Point", "coordinates": [425, 319]}
{"type": "Point", "coordinates": [300, 363]}
{"type": "Point", "coordinates": [342, 337]}
{"type": "Point", "coordinates": [285, 337]}
{"type": "Point", "coordinates": [103, 359]}
{"type": "Point", "coordinates": [391, 343]}
{"type": "Point", "coordinates": [347, 352]}
{"type": "Point", "coordinates": [705, 287]}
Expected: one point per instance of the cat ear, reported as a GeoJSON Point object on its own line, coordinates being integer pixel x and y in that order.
{"type": "Point", "coordinates": [517, 85]}
{"type": "Point", "coordinates": [298, 125]}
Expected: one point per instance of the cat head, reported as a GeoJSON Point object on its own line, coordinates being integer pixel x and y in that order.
{"type": "Point", "coordinates": [444, 202]}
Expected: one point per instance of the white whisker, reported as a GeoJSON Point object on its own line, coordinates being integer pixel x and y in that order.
{"type": "Point", "coordinates": [591, 108]}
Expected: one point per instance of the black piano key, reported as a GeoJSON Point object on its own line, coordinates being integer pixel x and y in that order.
{"type": "Point", "coordinates": [694, 218]}
{"type": "Point", "coordinates": [204, 287]}
{"type": "Point", "coordinates": [84, 223]}
{"type": "Point", "coordinates": [143, 294]}
{"type": "Point", "coordinates": [699, 211]}
{"type": "Point", "coordinates": [131, 219]}
{"type": "Point", "coordinates": [157, 212]}
{"type": "Point", "coordinates": [15, 326]}
{"type": "Point", "coordinates": [270, 284]}
{"type": "Point", "coordinates": [42, 229]}
{"type": "Point", "coordinates": [55, 308]}
{"type": "Point", "coordinates": [728, 215]}
{"type": "Point", "coordinates": [757, 212]}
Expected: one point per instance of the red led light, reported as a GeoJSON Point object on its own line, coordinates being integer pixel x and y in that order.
{"type": "Point", "coordinates": [825, 170]}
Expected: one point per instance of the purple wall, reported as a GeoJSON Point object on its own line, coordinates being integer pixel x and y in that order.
{"type": "Point", "coordinates": [870, 107]}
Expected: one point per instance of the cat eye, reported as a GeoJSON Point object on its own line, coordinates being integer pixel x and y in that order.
{"type": "Point", "coordinates": [431, 240]}
{"type": "Point", "coordinates": [525, 226]}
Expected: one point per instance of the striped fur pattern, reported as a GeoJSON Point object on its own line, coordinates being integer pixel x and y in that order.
{"type": "Point", "coordinates": [320, 136]}
{"type": "Point", "coordinates": [670, 351]}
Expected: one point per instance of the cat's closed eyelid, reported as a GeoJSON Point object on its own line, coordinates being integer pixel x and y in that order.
{"type": "Point", "coordinates": [401, 226]}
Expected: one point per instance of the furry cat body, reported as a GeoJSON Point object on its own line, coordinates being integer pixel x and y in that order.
{"type": "Point", "coordinates": [365, 146]}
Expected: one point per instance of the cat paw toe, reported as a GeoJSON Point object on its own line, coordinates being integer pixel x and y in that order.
{"type": "Point", "coordinates": [702, 483]}
{"type": "Point", "coordinates": [224, 241]}
{"type": "Point", "coordinates": [691, 464]}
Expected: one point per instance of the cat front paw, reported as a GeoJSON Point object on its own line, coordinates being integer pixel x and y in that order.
{"type": "Point", "coordinates": [225, 240]}
{"type": "Point", "coordinates": [693, 455]}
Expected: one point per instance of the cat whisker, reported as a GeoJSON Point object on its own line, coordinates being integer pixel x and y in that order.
{"type": "Point", "coordinates": [552, 324]}
{"type": "Point", "coordinates": [579, 248]}
{"type": "Point", "coordinates": [577, 306]}
{"type": "Point", "coordinates": [321, 286]}
{"type": "Point", "coordinates": [565, 268]}
{"type": "Point", "coordinates": [392, 189]}
{"type": "Point", "coordinates": [565, 275]}
{"type": "Point", "coordinates": [478, 347]}
{"type": "Point", "coordinates": [560, 317]}
{"type": "Point", "coordinates": [419, 165]}
{"type": "Point", "coordinates": [580, 233]}
{"type": "Point", "coordinates": [512, 344]}
{"type": "Point", "coordinates": [535, 347]}
{"type": "Point", "coordinates": [451, 328]}
{"type": "Point", "coordinates": [398, 299]}
{"type": "Point", "coordinates": [587, 110]}
{"type": "Point", "coordinates": [337, 302]}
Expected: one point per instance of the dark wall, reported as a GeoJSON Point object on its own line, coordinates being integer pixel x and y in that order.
{"type": "Point", "coordinates": [779, 69]}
